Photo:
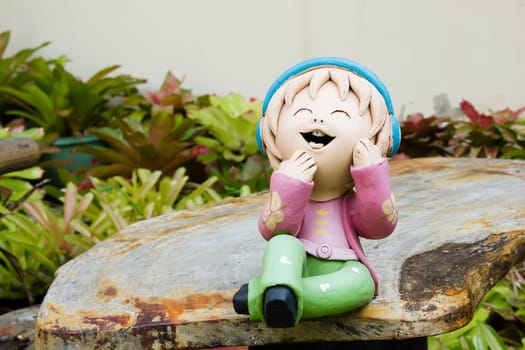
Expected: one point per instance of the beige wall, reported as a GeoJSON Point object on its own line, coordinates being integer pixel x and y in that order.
{"type": "Point", "coordinates": [472, 49]}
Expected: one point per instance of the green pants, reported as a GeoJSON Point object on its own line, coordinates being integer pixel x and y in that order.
{"type": "Point", "coordinates": [322, 287]}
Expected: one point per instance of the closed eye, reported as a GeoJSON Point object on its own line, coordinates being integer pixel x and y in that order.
{"type": "Point", "coordinates": [337, 111]}
{"type": "Point", "coordinates": [300, 110]}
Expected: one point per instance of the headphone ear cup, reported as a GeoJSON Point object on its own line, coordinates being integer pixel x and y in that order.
{"type": "Point", "coordinates": [258, 135]}
{"type": "Point", "coordinates": [396, 136]}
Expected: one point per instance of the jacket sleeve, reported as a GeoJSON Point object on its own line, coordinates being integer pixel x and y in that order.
{"type": "Point", "coordinates": [285, 209]}
{"type": "Point", "coordinates": [373, 210]}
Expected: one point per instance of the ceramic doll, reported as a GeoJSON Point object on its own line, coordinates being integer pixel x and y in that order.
{"type": "Point", "coordinates": [327, 129]}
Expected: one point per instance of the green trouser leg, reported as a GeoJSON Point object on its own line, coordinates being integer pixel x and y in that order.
{"type": "Point", "coordinates": [322, 287]}
{"type": "Point", "coordinates": [283, 264]}
{"type": "Point", "coordinates": [347, 288]}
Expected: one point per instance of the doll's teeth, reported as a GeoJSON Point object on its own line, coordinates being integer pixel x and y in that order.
{"type": "Point", "coordinates": [318, 133]}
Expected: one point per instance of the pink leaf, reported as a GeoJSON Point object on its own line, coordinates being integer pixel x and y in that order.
{"type": "Point", "coordinates": [479, 120]}
{"type": "Point", "coordinates": [199, 149]}
{"type": "Point", "coordinates": [69, 203]}
{"type": "Point", "coordinates": [469, 110]}
{"type": "Point", "coordinates": [517, 113]}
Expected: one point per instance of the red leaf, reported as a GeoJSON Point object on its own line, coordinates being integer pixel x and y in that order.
{"type": "Point", "coordinates": [469, 110]}
{"type": "Point", "coordinates": [479, 120]}
{"type": "Point", "coordinates": [485, 121]}
{"type": "Point", "coordinates": [517, 113]}
{"type": "Point", "coordinates": [503, 116]}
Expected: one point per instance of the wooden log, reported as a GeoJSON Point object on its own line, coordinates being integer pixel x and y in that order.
{"type": "Point", "coordinates": [17, 328]}
{"type": "Point", "coordinates": [17, 153]}
{"type": "Point", "coordinates": [167, 282]}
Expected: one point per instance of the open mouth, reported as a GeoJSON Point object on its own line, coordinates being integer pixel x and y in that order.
{"type": "Point", "coordinates": [317, 139]}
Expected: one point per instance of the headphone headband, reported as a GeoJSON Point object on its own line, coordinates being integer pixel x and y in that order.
{"type": "Point", "coordinates": [343, 63]}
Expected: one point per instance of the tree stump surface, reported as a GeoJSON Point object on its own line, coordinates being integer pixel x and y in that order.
{"type": "Point", "coordinates": [17, 153]}
{"type": "Point", "coordinates": [167, 282]}
{"type": "Point", "coordinates": [17, 328]}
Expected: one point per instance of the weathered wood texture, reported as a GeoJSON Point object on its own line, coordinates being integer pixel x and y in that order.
{"type": "Point", "coordinates": [168, 282]}
{"type": "Point", "coordinates": [17, 153]}
{"type": "Point", "coordinates": [17, 329]}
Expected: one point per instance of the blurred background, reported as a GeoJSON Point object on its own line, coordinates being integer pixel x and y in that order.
{"type": "Point", "coordinates": [468, 49]}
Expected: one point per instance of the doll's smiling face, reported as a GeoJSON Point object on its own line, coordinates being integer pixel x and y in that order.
{"type": "Point", "coordinates": [325, 127]}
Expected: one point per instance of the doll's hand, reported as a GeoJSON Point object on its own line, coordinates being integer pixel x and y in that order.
{"type": "Point", "coordinates": [300, 166]}
{"type": "Point", "coordinates": [365, 153]}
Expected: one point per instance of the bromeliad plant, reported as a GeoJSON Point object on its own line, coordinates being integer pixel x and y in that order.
{"type": "Point", "coordinates": [157, 135]}
{"type": "Point", "coordinates": [45, 93]}
{"type": "Point", "coordinates": [41, 236]}
{"type": "Point", "coordinates": [228, 148]}
{"type": "Point", "coordinates": [11, 67]}
{"type": "Point", "coordinates": [424, 137]}
{"type": "Point", "coordinates": [148, 194]}
{"type": "Point", "coordinates": [498, 323]}
{"type": "Point", "coordinates": [161, 141]}
{"type": "Point", "coordinates": [24, 269]}
{"type": "Point", "coordinates": [500, 134]}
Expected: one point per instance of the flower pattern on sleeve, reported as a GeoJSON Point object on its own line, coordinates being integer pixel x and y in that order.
{"type": "Point", "coordinates": [272, 214]}
{"type": "Point", "coordinates": [390, 209]}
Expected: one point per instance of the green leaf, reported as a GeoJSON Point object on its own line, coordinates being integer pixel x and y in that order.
{"type": "Point", "coordinates": [209, 117]}
{"type": "Point", "coordinates": [107, 155]}
{"type": "Point", "coordinates": [148, 180]}
{"type": "Point", "coordinates": [101, 74]}
{"type": "Point", "coordinates": [32, 173]}
{"type": "Point", "coordinates": [4, 40]}
{"type": "Point", "coordinates": [31, 133]}
{"type": "Point", "coordinates": [208, 142]}
{"type": "Point", "coordinates": [188, 201]}
{"type": "Point", "coordinates": [13, 63]}
{"type": "Point", "coordinates": [479, 343]}
{"type": "Point", "coordinates": [490, 337]}
{"type": "Point", "coordinates": [465, 344]}
{"type": "Point", "coordinates": [234, 104]}
{"type": "Point", "coordinates": [18, 187]}
{"type": "Point", "coordinates": [229, 155]}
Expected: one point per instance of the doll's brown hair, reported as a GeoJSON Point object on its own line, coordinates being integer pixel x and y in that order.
{"type": "Point", "coordinates": [346, 82]}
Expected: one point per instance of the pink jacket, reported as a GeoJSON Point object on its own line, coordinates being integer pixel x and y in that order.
{"type": "Point", "coordinates": [369, 212]}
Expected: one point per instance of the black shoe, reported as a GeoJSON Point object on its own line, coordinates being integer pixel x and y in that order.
{"type": "Point", "coordinates": [240, 300]}
{"type": "Point", "coordinates": [280, 307]}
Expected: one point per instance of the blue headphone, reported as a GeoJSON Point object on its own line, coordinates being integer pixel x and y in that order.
{"type": "Point", "coordinates": [341, 63]}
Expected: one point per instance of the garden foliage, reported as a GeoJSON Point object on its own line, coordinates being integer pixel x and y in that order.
{"type": "Point", "coordinates": [499, 134]}
{"type": "Point", "coordinates": [169, 150]}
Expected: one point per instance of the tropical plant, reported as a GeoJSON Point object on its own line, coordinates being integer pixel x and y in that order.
{"type": "Point", "coordinates": [506, 304]}
{"type": "Point", "coordinates": [16, 128]}
{"type": "Point", "coordinates": [498, 323]}
{"type": "Point", "coordinates": [171, 96]}
{"type": "Point", "coordinates": [424, 137]}
{"type": "Point", "coordinates": [16, 188]}
{"type": "Point", "coordinates": [148, 194]}
{"type": "Point", "coordinates": [40, 238]}
{"type": "Point", "coordinates": [37, 236]}
{"type": "Point", "coordinates": [27, 261]}
{"type": "Point", "coordinates": [157, 135]}
{"type": "Point", "coordinates": [59, 102]}
{"type": "Point", "coordinates": [499, 134]}
{"type": "Point", "coordinates": [10, 67]}
{"type": "Point", "coordinates": [45, 93]}
{"type": "Point", "coordinates": [228, 148]}
{"type": "Point", "coordinates": [162, 143]}
{"type": "Point", "coordinates": [476, 335]}
{"type": "Point", "coordinates": [22, 266]}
